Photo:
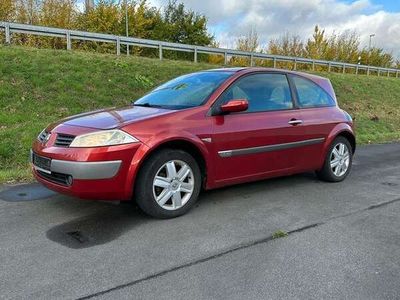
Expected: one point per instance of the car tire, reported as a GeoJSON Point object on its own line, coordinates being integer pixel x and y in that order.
{"type": "Point", "coordinates": [338, 161]}
{"type": "Point", "coordinates": [168, 184]}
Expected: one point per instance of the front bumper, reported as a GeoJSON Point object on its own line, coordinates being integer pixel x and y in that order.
{"type": "Point", "coordinates": [103, 173]}
{"type": "Point", "coordinates": [82, 170]}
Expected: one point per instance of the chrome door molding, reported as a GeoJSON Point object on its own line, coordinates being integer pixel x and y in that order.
{"type": "Point", "coordinates": [269, 148]}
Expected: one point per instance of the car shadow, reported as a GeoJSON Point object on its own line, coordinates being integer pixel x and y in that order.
{"type": "Point", "coordinates": [108, 221]}
{"type": "Point", "coordinates": [245, 190]}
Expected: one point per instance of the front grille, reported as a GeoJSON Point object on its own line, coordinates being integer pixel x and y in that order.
{"type": "Point", "coordinates": [55, 177]}
{"type": "Point", "coordinates": [43, 136]}
{"type": "Point", "coordinates": [63, 140]}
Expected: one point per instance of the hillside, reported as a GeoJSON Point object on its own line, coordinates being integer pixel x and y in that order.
{"type": "Point", "coordinates": [41, 86]}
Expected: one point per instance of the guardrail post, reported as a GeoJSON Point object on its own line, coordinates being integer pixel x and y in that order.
{"type": "Point", "coordinates": [379, 72]}
{"type": "Point", "coordinates": [388, 74]}
{"type": "Point", "coordinates": [118, 46]}
{"type": "Point", "coordinates": [329, 67]}
{"type": "Point", "coordinates": [195, 54]}
{"type": "Point", "coordinates": [8, 33]}
{"type": "Point", "coordinates": [295, 64]}
{"type": "Point", "coordinates": [397, 74]}
{"type": "Point", "coordinates": [367, 71]}
{"type": "Point", "coordinates": [251, 60]}
{"type": "Point", "coordinates": [344, 68]}
{"type": "Point", "coordinates": [160, 51]}
{"type": "Point", "coordinates": [357, 70]}
{"type": "Point", "coordinates": [68, 34]}
{"type": "Point", "coordinates": [274, 62]}
{"type": "Point", "coordinates": [225, 58]}
{"type": "Point", "coordinates": [313, 65]}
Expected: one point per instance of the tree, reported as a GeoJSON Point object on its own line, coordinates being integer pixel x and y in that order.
{"type": "Point", "coordinates": [377, 57]}
{"type": "Point", "coordinates": [317, 46]}
{"type": "Point", "coordinates": [346, 46]}
{"type": "Point", "coordinates": [247, 43]}
{"type": "Point", "coordinates": [215, 59]}
{"type": "Point", "coordinates": [7, 10]}
{"type": "Point", "coordinates": [287, 44]}
{"type": "Point", "coordinates": [105, 17]}
{"type": "Point", "coordinates": [179, 25]}
{"type": "Point", "coordinates": [58, 13]}
{"type": "Point", "coordinates": [27, 11]}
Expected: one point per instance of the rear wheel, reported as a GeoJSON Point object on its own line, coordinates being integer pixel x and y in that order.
{"type": "Point", "coordinates": [168, 184]}
{"type": "Point", "coordinates": [338, 161]}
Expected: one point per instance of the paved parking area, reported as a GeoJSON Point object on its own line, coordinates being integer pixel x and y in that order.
{"type": "Point", "coordinates": [343, 241]}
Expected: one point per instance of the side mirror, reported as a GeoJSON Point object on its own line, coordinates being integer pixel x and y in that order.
{"type": "Point", "coordinates": [235, 106]}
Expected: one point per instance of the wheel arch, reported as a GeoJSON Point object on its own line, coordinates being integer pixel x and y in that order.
{"type": "Point", "coordinates": [198, 152]}
{"type": "Point", "coordinates": [341, 129]}
{"type": "Point", "coordinates": [350, 137]}
{"type": "Point", "coordinates": [187, 146]}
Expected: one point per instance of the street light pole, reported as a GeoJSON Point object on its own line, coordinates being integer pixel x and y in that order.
{"type": "Point", "coordinates": [126, 25]}
{"type": "Point", "coordinates": [370, 41]}
{"type": "Point", "coordinates": [369, 46]}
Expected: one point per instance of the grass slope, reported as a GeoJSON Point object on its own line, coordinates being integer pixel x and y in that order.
{"type": "Point", "coordinates": [40, 86]}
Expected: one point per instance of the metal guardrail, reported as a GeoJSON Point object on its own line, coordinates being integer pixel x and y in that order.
{"type": "Point", "coordinates": [69, 35]}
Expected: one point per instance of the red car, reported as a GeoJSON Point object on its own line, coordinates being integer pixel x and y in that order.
{"type": "Point", "coordinates": [202, 130]}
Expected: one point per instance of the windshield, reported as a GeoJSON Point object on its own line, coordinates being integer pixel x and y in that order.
{"type": "Point", "coordinates": [185, 91]}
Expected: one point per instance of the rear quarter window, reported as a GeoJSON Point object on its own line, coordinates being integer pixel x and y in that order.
{"type": "Point", "coordinates": [309, 94]}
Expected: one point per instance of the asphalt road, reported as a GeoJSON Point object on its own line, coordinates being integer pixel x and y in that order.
{"type": "Point", "coordinates": [343, 242]}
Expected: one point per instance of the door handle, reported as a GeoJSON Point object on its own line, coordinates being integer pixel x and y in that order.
{"type": "Point", "coordinates": [295, 122]}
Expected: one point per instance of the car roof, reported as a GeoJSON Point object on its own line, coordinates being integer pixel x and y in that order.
{"type": "Point", "coordinates": [227, 69]}
{"type": "Point", "coordinates": [260, 69]}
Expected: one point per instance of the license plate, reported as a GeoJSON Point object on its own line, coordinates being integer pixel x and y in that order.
{"type": "Point", "coordinates": [42, 163]}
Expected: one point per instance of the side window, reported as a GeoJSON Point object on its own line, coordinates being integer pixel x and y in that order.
{"type": "Point", "coordinates": [310, 94]}
{"type": "Point", "coordinates": [264, 92]}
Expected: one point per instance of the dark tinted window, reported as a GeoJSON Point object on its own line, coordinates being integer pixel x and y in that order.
{"type": "Point", "coordinates": [310, 94]}
{"type": "Point", "coordinates": [185, 91]}
{"type": "Point", "coordinates": [264, 92]}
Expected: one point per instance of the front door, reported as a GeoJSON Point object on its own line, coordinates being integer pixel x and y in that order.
{"type": "Point", "coordinates": [262, 140]}
{"type": "Point", "coordinates": [319, 115]}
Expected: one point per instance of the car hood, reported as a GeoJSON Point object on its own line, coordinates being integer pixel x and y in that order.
{"type": "Point", "coordinates": [114, 118]}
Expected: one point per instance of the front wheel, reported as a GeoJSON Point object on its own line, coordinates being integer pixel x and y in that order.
{"type": "Point", "coordinates": [338, 161]}
{"type": "Point", "coordinates": [168, 184]}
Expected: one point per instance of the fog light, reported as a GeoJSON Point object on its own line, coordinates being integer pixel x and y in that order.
{"type": "Point", "coordinates": [69, 180]}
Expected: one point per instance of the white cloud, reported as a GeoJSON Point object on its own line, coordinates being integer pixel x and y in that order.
{"type": "Point", "coordinates": [80, 4]}
{"type": "Point", "coordinates": [229, 19]}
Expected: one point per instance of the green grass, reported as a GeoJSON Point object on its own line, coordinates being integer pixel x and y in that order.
{"type": "Point", "coordinates": [279, 234]}
{"type": "Point", "coordinates": [374, 103]}
{"type": "Point", "coordinates": [41, 86]}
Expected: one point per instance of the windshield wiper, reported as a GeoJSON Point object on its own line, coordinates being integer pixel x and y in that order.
{"type": "Point", "coordinates": [146, 104]}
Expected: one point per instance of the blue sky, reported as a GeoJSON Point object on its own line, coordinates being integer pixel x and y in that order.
{"type": "Point", "coordinates": [388, 5]}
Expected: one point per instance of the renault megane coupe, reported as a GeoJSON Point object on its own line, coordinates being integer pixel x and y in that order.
{"type": "Point", "coordinates": [199, 131]}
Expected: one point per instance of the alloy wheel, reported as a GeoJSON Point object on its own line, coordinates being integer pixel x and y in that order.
{"type": "Point", "coordinates": [173, 185]}
{"type": "Point", "coordinates": [340, 159]}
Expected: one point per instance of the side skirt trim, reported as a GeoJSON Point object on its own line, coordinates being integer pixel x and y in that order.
{"type": "Point", "coordinates": [269, 148]}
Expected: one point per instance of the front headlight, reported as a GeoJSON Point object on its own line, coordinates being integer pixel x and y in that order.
{"type": "Point", "coordinates": [103, 138]}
